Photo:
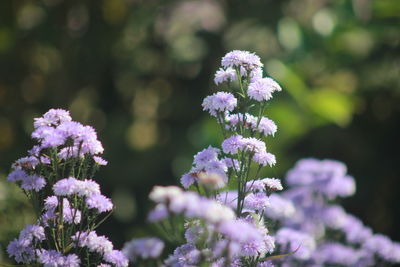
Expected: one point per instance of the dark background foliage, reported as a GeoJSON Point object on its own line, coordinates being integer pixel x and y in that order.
{"type": "Point", "coordinates": [138, 71]}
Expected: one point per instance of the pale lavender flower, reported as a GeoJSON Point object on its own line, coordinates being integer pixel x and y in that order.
{"type": "Point", "coordinates": [232, 144]}
{"type": "Point", "coordinates": [50, 258]}
{"type": "Point", "coordinates": [32, 232]}
{"type": "Point", "coordinates": [72, 260]}
{"type": "Point", "coordinates": [202, 158]}
{"type": "Point", "coordinates": [21, 250]}
{"type": "Point", "coordinates": [239, 231]}
{"type": "Point", "coordinates": [272, 184]}
{"type": "Point", "coordinates": [379, 244]}
{"type": "Point", "coordinates": [93, 242]}
{"type": "Point", "coordinates": [100, 161]}
{"type": "Point", "coordinates": [160, 194]}
{"type": "Point", "coordinates": [158, 213]}
{"type": "Point", "coordinates": [337, 254]}
{"type": "Point", "coordinates": [334, 216]}
{"type": "Point", "coordinates": [185, 255]}
{"type": "Point", "coordinates": [279, 208]}
{"type": "Point", "coordinates": [238, 58]}
{"type": "Point", "coordinates": [144, 248]}
{"type": "Point", "coordinates": [224, 75]}
{"type": "Point", "coordinates": [264, 158]}
{"type": "Point", "coordinates": [253, 145]}
{"type": "Point", "coordinates": [267, 127]}
{"type": "Point", "coordinates": [99, 202]}
{"type": "Point", "coordinates": [53, 117]}
{"type": "Point", "coordinates": [262, 89]}
{"type": "Point", "coordinates": [65, 187]}
{"type": "Point", "coordinates": [253, 249]}
{"type": "Point", "coordinates": [214, 212]}
{"type": "Point", "coordinates": [188, 179]}
{"type": "Point", "coordinates": [212, 180]}
{"type": "Point", "coordinates": [86, 187]}
{"type": "Point", "coordinates": [256, 74]}
{"type": "Point", "coordinates": [117, 258]}
{"type": "Point", "coordinates": [194, 231]}
{"type": "Point", "coordinates": [255, 185]}
{"type": "Point", "coordinates": [256, 201]}
{"type": "Point", "coordinates": [219, 102]}
{"type": "Point", "coordinates": [50, 202]}
{"type": "Point", "coordinates": [25, 163]}
{"type": "Point", "coordinates": [17, 176]}
{"type": "Point", "coordinates": [355, 231]}
{"type": "Point", "coordinates": [291, 240]}
{"type": "Point", "coordinates": [33, 182]}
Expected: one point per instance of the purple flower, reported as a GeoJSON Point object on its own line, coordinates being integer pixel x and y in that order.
{"type": "Point", "coordinates": [144, 248]}
{"type": "Point", "coordinates": [202, 158]}
{"type": "Point", "coordinates": [256, 201]}
{"type": "Point", "coordinates": [33, 182]}
{"type": "Point", "coordinates": [100, 161]}
{"type": "Point", "coordinates": [93, 242]}
{"type": "Point", "coordinates": [262, 89]}
{"type": "Point", "coordinates": [87, 187]}
{"type": "Point", "coordinates": [185, 255]}
{"type": "Point", "coordinates": [279, 208]}
{"type": "Point", "coordinates": [222, 75]}
{"type": "Point", "coordinates": [72, 260]}
{"type": "Point", "coordinates": [239, 231]}
{"type": "Point", "coordinates": [117, 258]}
{"type": "Point", "coordinates": [238, 58]}
{"type": "Point", "coordinates": [334, 216]}
{"type": "Point", "coordinates": [50, 258]}
{"type": "Point", "coordinates": [381, 245]}
{"type": "Point", "coordinates": [31, 232]}
{"type": "Point", "coordinates": [25, 163]}
{"type": "Point", "coordinates": [337, 254]}
{"type": "Point", "coordinates": [50, 202]}
{"type": "Point", "coordinates": [291, 240]}
{"type": "Point", "coordinates": [188, 179]}
{"type": "Point", "coordinates": [219, 102]}
{"type": "Point", "coordinates": [65, 187]}
{"type": "Point", "coordinates": [53, 117]}
{"type": "Point", "coordinates": [264, 158]}
{"type": "Point", "coordinates": [232, 144]}
{"type": "Point", "coordinates": [267, 127]}
{"type": "Point", "coordinates": [17, 176]}
{"type": "Point", "coordinates": [272, 184]}
{"type": "Point", "coordinates": [99, 202]}
{"type": "Point", "coordinates": [158, 213]}
{"type": "Point", "coordinates": [21, 250]}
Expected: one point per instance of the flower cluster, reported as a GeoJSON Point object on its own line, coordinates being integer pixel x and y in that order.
{"type": "Point", "coordinates": [227, 215]}
{"type": "Point", "coordinates": [213, 225]}
{"type": "Point", "coordinates": [323, 233]}
{"type": "Point", "coordinates": [57, 177]}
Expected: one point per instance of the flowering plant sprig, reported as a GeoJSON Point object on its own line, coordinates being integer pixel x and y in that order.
{"type": "Point", "coordinates": [221, 219]}
{"type": "Point", "coordinates": [57, 177]}
{"type": "Point", "coordinates": [222, 227]}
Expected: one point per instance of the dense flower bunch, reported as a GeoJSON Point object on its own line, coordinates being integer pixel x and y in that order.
{"type": "Point", "coordinates": [324, 232]}
{"type": "Point", "coordinates": [57, 178]}
{"type": "Point", "coordinates": [212, 225]}
{"type": "Point", "coordinates": [227, 215]}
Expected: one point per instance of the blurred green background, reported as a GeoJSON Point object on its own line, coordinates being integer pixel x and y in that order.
{"type": "Point", "coordinates": [138, 71]}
